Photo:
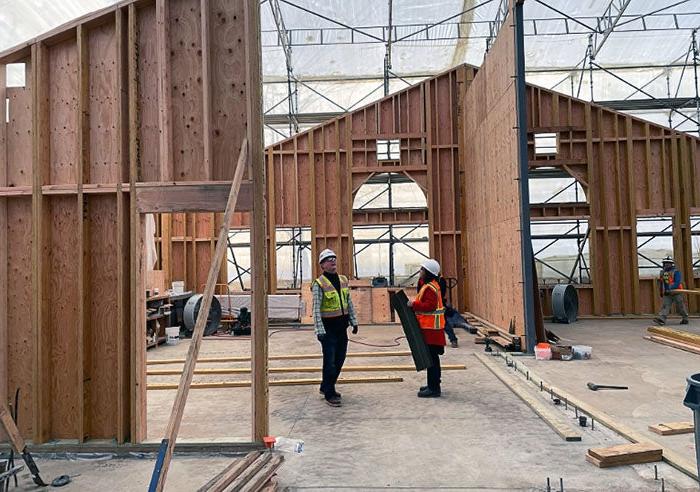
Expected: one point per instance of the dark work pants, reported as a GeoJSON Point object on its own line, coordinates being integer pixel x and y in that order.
{"type": "Point", "coordinates": [335, 348]}
{"type": "Point", "coordinates": [434, 372]}
{"type": "Point", "coordinates": [450, 332]}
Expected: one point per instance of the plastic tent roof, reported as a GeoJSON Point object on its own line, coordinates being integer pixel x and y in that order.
{"type": "Point", "coordinates": [338, 46]}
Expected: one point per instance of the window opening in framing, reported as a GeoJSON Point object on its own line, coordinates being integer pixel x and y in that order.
{"type": "Point", "coordinates": [546, 144]}
{"type": "Point", "coordinates": [556, 190]}
{"type": "Point", "coordinates": [293, 251]}
{"type": "Point", "coordinates": [16, 74]}
{"type": "Point", "coordinates": [388, 150]}
{"type": "Point", "coordinates": [654, 243]}
{"type": "Point", "coordinates": [389, 191]}
{"type": "Point", "coordinates": [561, 251]}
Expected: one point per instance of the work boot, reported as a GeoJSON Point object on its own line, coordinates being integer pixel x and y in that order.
{"type": "Point", "coordinates": [428, 393]}
{"type": "Point", "coordinates": [659, 321]}
{"type": "Point", "coordinates": [323, 395]}
{"type": "Point", "coordinates": [454, 344]}
{"type": "Point", "coordinates": [684, 321]}
{"type": "Point", "coordinates": [333, 401]}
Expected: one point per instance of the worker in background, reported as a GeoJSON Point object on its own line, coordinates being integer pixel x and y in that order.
{"type": "Point", "coordinates": [333, 312]}
{"type": "Point", "coordinates": [430, 312]}
{"type": "Point", "coordinates": [670, 280]}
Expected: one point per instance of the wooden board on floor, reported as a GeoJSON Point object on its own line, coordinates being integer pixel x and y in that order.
{"type": "Point", "coordinates": [245, 358]}
{"type": "Point", "coordinates": [246, 370]}
{"type": "Point", "coordinates": [624, 454]}
{"type": "Point", "coordinates": [279, 382]}
{"type": "Point", "coordinates": [678, 335]}
{"type": "Point", "coordinates": [672, 428]}
{"type": "Point", "coordinates": [669, 342]}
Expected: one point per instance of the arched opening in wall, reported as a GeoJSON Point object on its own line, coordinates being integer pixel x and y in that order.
{"type": "Point", "coordinates": [390, 229]}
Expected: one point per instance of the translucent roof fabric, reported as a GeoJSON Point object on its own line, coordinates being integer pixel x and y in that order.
{"type": "Point", "coordinates": [430, 36]}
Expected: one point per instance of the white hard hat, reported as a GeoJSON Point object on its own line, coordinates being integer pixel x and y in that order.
{"type": "Point", "coordinates": [432, 266]}
{"type": "Point", "coordinates": [668, 259]}
{"type": "Point", "coordinates": [326, 253]}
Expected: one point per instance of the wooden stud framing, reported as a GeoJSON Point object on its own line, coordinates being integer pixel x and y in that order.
{"type": "Point", "coordinates": [4, 347]}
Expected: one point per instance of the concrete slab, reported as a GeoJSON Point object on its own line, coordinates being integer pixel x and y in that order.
{"type": "Point", "coordinates": [478, 436]}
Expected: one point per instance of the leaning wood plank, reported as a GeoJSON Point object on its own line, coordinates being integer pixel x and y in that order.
{"type": "Point", "coordinates": [198, 334]}
{"type": "Point", "coordinates": [672, 428]}
{"type": "Point", "coordinates": [551, 418]}
{"type": "Point", "coordinates": [11, 429]}
{"type": "Point", "coordinates": [678, 335]}
{"type": "Point", "coordinates": [281, 357]}
{"type": "Point", "coordinates": [246, 370]}
{"type": "Point", "coordinates": [229, 474]}
{"type": "Point", "coordinates": [279, 382]}
{"type": "Point", "coordinates": [256, 482]}
{"type": "Point", "coordinates": [673, 343]}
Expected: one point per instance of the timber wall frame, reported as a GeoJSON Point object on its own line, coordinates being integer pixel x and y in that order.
{"type": "Point", "coordinates": [123, 113]}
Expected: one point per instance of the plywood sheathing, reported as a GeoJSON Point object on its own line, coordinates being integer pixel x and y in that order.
{"type": "Point", "coordinates": [84, 131]}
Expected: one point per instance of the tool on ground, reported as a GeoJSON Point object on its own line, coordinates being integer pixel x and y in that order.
{"type": "Point", "coordinates": [596, 387]}
{"type": "Point", "coordinates": [19, 445]}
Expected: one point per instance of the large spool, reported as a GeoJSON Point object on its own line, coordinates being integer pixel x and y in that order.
{"type": "Point", "coordinates": [189, 315]}
{"type": "Point", "coordinates": [564, 303]}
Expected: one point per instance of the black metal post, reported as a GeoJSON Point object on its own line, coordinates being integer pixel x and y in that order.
{"type": "Point", "coordinates": [525, 238]}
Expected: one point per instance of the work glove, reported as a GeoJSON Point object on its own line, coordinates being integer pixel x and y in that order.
{"type": "Point", "coordinates": [354, 329]}
{"type": "Point", "coordinates": [321, 337]}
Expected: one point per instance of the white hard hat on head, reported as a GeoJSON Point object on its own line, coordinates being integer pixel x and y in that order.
{"type": "Point", "coordinates": [326, 253]}
{"type": "Point", "coordinates": [432, 266]}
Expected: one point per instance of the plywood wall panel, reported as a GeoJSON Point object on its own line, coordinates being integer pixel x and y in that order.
{"type": "Point", "coordinates": [103, 105]}
{"type": "Point", "coordinates": [63, 310]}
{"type": "Point", "coordinates": [187, 95]}
{"type": "Point", "coordinates": [102, 338]}
{"type": "Point", "coordinates": [19, 301]}
{"type": "Point", "coordinates": [148, 95]}
{"type": "Point", "coordinates": [63, 112]}
{"type": "Point", "coordinates": [19, 136]}
{"type": "Point", "coordinates": [228, 91]}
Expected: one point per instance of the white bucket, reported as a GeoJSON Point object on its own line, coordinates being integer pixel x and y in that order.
{"type": "Point", "coordinates": [178, 287]}
{"type": "Point", "coordinates": [582, 351]}
{"type": "Point", "coordinates": [173, 334]}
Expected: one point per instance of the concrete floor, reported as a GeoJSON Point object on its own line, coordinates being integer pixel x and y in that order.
{"type": "Point", "coordinates": [478, 436]}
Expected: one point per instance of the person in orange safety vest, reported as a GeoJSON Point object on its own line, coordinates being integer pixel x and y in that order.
{"type": "Point", "coordinates": [430, 313]}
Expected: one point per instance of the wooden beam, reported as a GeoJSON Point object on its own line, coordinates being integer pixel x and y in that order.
{"type": "Point", "coordinates": [137, 340]}
{"type": "Point", "coordinates": [206, 90]}
{"type": "Point", "coordinates": [184, 386]}
{"type": "Point", "coordinates": [280, 357]}
{"type": "Point", "coordinates": [229, 474]}
{"type": "Point", "coordinates": [83, 240]}
{"type": "Point", "coordinates": [40, 232]}
{"type": "Point", "coordinates": [279, 382]}
{"type": "Point", "coordinates": [246, 370]}
{"type": "Point", "coordinates": [4, 333]}
{"type": "Point", "coordinates": [253, 53]}
{"type": "Point", "coordinates": [190, 197]}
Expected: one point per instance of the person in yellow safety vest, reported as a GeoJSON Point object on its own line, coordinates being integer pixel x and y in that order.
{"type": "Point", "coordinates": [332, 312]}
{"type": "Point", "coordinates": [430, 313]}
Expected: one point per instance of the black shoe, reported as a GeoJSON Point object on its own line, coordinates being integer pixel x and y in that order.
{"type": "Point", "coordinates": [428, 393]}
{"type": "Point", "coordinates": [334, 394]}
{"type": "Point", "coordinates": [684, 321]}
{"type": "Point", "coordinates": [659, 321]}
{"type": "Point", "coordinates": [454, 344]}
{"type": "Point", "coordinates": [333, 401]}
{"type": "Point", "coordinates": [423, 388]}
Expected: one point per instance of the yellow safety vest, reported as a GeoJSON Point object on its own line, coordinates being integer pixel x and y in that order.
{"type": "Point", "coordinates": [332, 304]}
{"type": "Point", "coordinates": [432, 320]}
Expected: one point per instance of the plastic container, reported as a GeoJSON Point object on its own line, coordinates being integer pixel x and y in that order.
{"type": "Point", "coordinates": [178, 286]}
{"type": "Point", "coordinates": [543, 351]}
{"type": "Point", "coordinates": [173, 334]}
{"type": "Point", "coordinates": [692, 401]}
{"type": "Point", "coordinates": [287, 445]}
{"type": "Point", "coordinates": [582, 351]}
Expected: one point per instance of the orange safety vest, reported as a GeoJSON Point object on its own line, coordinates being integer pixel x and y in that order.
{"type": "Point", "coordinates": [431, 320]}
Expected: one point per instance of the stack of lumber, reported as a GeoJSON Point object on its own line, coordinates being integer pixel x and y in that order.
{"type": "Point", "coordinates": [624, 454]}
{"type": "Point", "coordinates": [488, 330]}
{"type": "Point", "coordinates": [672, 428]}
{"type": "Point", "coordinates": [683, 340]}
{"type": "Point", "coordinates": [255, 472]}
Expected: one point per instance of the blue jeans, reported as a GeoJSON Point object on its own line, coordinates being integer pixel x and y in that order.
{"type": "Point", "coordinates": [449, 331]}
{"type": "Point", "coordinates": [335, 348]}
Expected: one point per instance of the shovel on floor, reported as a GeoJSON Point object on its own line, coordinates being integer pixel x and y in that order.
{"type": "Point", "coordinates": [596, 387]}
